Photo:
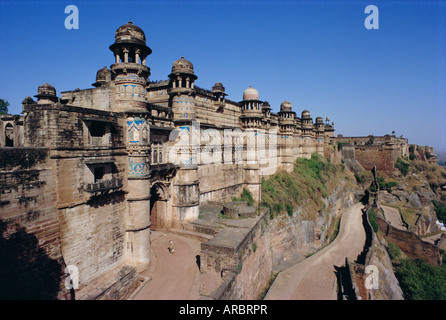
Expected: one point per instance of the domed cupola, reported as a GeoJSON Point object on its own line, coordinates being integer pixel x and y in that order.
{"type": "Point", "coordinates": [132, 36]}
{"type": "Point", "coordinates": [130, 33]}
{"type": "Point", "coordinates": [182, 76]}
{"type": "Point", "coordinates": [46, 94]}
{"type": "Point", "coordinates": [103, 76]}
{"type": "Point", "coordinates": [250, 94]}
{"type": "Point", "coordinates": [130, 45]}
{"type": "Point", "coordinates": [183, 66]}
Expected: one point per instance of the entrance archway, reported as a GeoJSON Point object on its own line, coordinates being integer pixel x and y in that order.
{"type": "Point", "coordinates": [158, 206]}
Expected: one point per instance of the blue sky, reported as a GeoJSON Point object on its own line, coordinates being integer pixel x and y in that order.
{"type": "Point", "coordinates": [316, 54]}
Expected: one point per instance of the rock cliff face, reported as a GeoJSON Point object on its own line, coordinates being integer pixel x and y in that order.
{"type": "Point", "coordinates": [293, 238]}
{"type": "Point", "coordinates": [416, 208]}
{"type": "Point", "coordinates": [388, 286]}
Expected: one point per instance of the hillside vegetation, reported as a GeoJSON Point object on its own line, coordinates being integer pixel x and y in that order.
{"type": "Point", "coordinates": [311, 181]}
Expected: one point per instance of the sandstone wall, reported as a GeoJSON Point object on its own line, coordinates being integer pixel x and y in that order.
{"type": "Point", "coordinates": [94, 98]}
{"type": "Point", "coordinates": [220, 182]}
{"type": "Point", "coordinates": [32, 266]}
{"type": "Point", "coordinates": [411, 244]}
{"type": "Point", "coordinates": [239, 271]}
{"type": "Point", "coordinates": [254, 265]}
{"type": "Point", "coordinates": [383, 157]}
{"type": "Point", "coordinates": [243, 270]}
{"type": "Point", "coordinates": [60, 126]}
{"type": "Point", "coordinates": [92, 236]}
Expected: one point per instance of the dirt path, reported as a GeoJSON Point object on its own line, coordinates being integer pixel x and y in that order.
{"type": "Point", "coordinates": [173, 277]}
{"type": "Point", "coordinates": [315, 277]}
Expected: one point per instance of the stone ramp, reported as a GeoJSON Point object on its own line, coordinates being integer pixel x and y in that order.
{"type": "Point", "coordinates": [314, 278]}
{"type": "Point", "coordinates": [392, 215]}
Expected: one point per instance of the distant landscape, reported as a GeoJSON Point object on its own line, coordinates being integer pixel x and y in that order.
{"type": "Point", "coordinates": [441, 155]}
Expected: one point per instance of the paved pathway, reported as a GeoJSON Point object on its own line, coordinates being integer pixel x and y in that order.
{"type": "Point", "coordinates": [393, 216]}
{"type": "Point", "coordinates": [315, 277]}
{"type": "Point", "coordinates": [173, 277]}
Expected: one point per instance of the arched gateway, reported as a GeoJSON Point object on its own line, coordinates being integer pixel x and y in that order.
{"type": "Point", "coordinates": [159, 196]}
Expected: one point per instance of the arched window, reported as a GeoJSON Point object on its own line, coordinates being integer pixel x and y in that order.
{"type": "Point", "coordinates": [155, 156]}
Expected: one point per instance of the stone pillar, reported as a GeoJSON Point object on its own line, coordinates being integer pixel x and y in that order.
{"type": "Point", "coordinates": [137, 222]}
{"type": "Point", "coordinates": [137, 56]}
{"type": "Point", "coordinates": [251, 174]}
{"type": "Point", "coordinates": [137, 227]}
{"type": "Point", "coordinates": [186, 193]}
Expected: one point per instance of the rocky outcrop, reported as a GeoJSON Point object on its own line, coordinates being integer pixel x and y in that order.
{"type": "Point", "coordinates": [420, 202]}
{"type": "Point", "coordinates": [388, 286]}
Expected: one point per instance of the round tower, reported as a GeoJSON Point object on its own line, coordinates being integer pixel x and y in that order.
{"type": "Point", "coordinates": [182, 91]}
{"type": "Point", "coordinates": [251, 109]}
{"type": "Point", "coordinates": [186, 189]}
{"type": "Point", "coordinates": [129, 73]}
{"type": "Point", "coordinates": [306, 124]}
{"type": "Point", "coordinates": [128, 78]}
{"type": "Point", "coordinates": [319, 127]}
{"type": "Point", "coordinates": [287, 118]}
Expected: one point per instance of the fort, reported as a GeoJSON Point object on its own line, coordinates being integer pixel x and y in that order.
{"type": "Point", "coordinates": [87, 176]}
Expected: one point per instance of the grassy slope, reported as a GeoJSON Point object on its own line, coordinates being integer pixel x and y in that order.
{"type": "Point", "coordinates": [311, 181]}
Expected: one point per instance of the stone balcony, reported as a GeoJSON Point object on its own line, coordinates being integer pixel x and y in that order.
{"type": "Point", "coordinates": [104, 185]}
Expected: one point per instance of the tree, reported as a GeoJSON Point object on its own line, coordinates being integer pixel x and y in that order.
{"type": "Point", "coordinates": [4, 106]}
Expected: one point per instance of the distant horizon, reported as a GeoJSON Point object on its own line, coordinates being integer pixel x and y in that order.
{"type": "Point", "coordinates": [317, 55]}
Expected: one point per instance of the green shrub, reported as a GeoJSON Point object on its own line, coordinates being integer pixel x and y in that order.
{"type": "Point", "coordinates": [421, 281]}
{"type": "Point", "coordinates": [372, 219]}
{"type": "Point", "coordinates": [245, 196]}
{"type": "Point", "coordinates": [394, 250]}
{"type": "Point", "coordinates": [412, 156]}
{"type": "Point", "coordinates": [358, 178]}
{"type": "Point", "coordinates": [340, 145]}
{"type": "Point", "coordinates": [289, 209]}
{"type": "Point", "coordinates": [391, 184]}
{"type": "Point", "coordinates": [440, 210]}
{"type": "Point", "coordinates": [283, 191]}
{"type": "Point", "coordinates": [386, 185]}
{"type": "Point", "coordinates": [403, 166]}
